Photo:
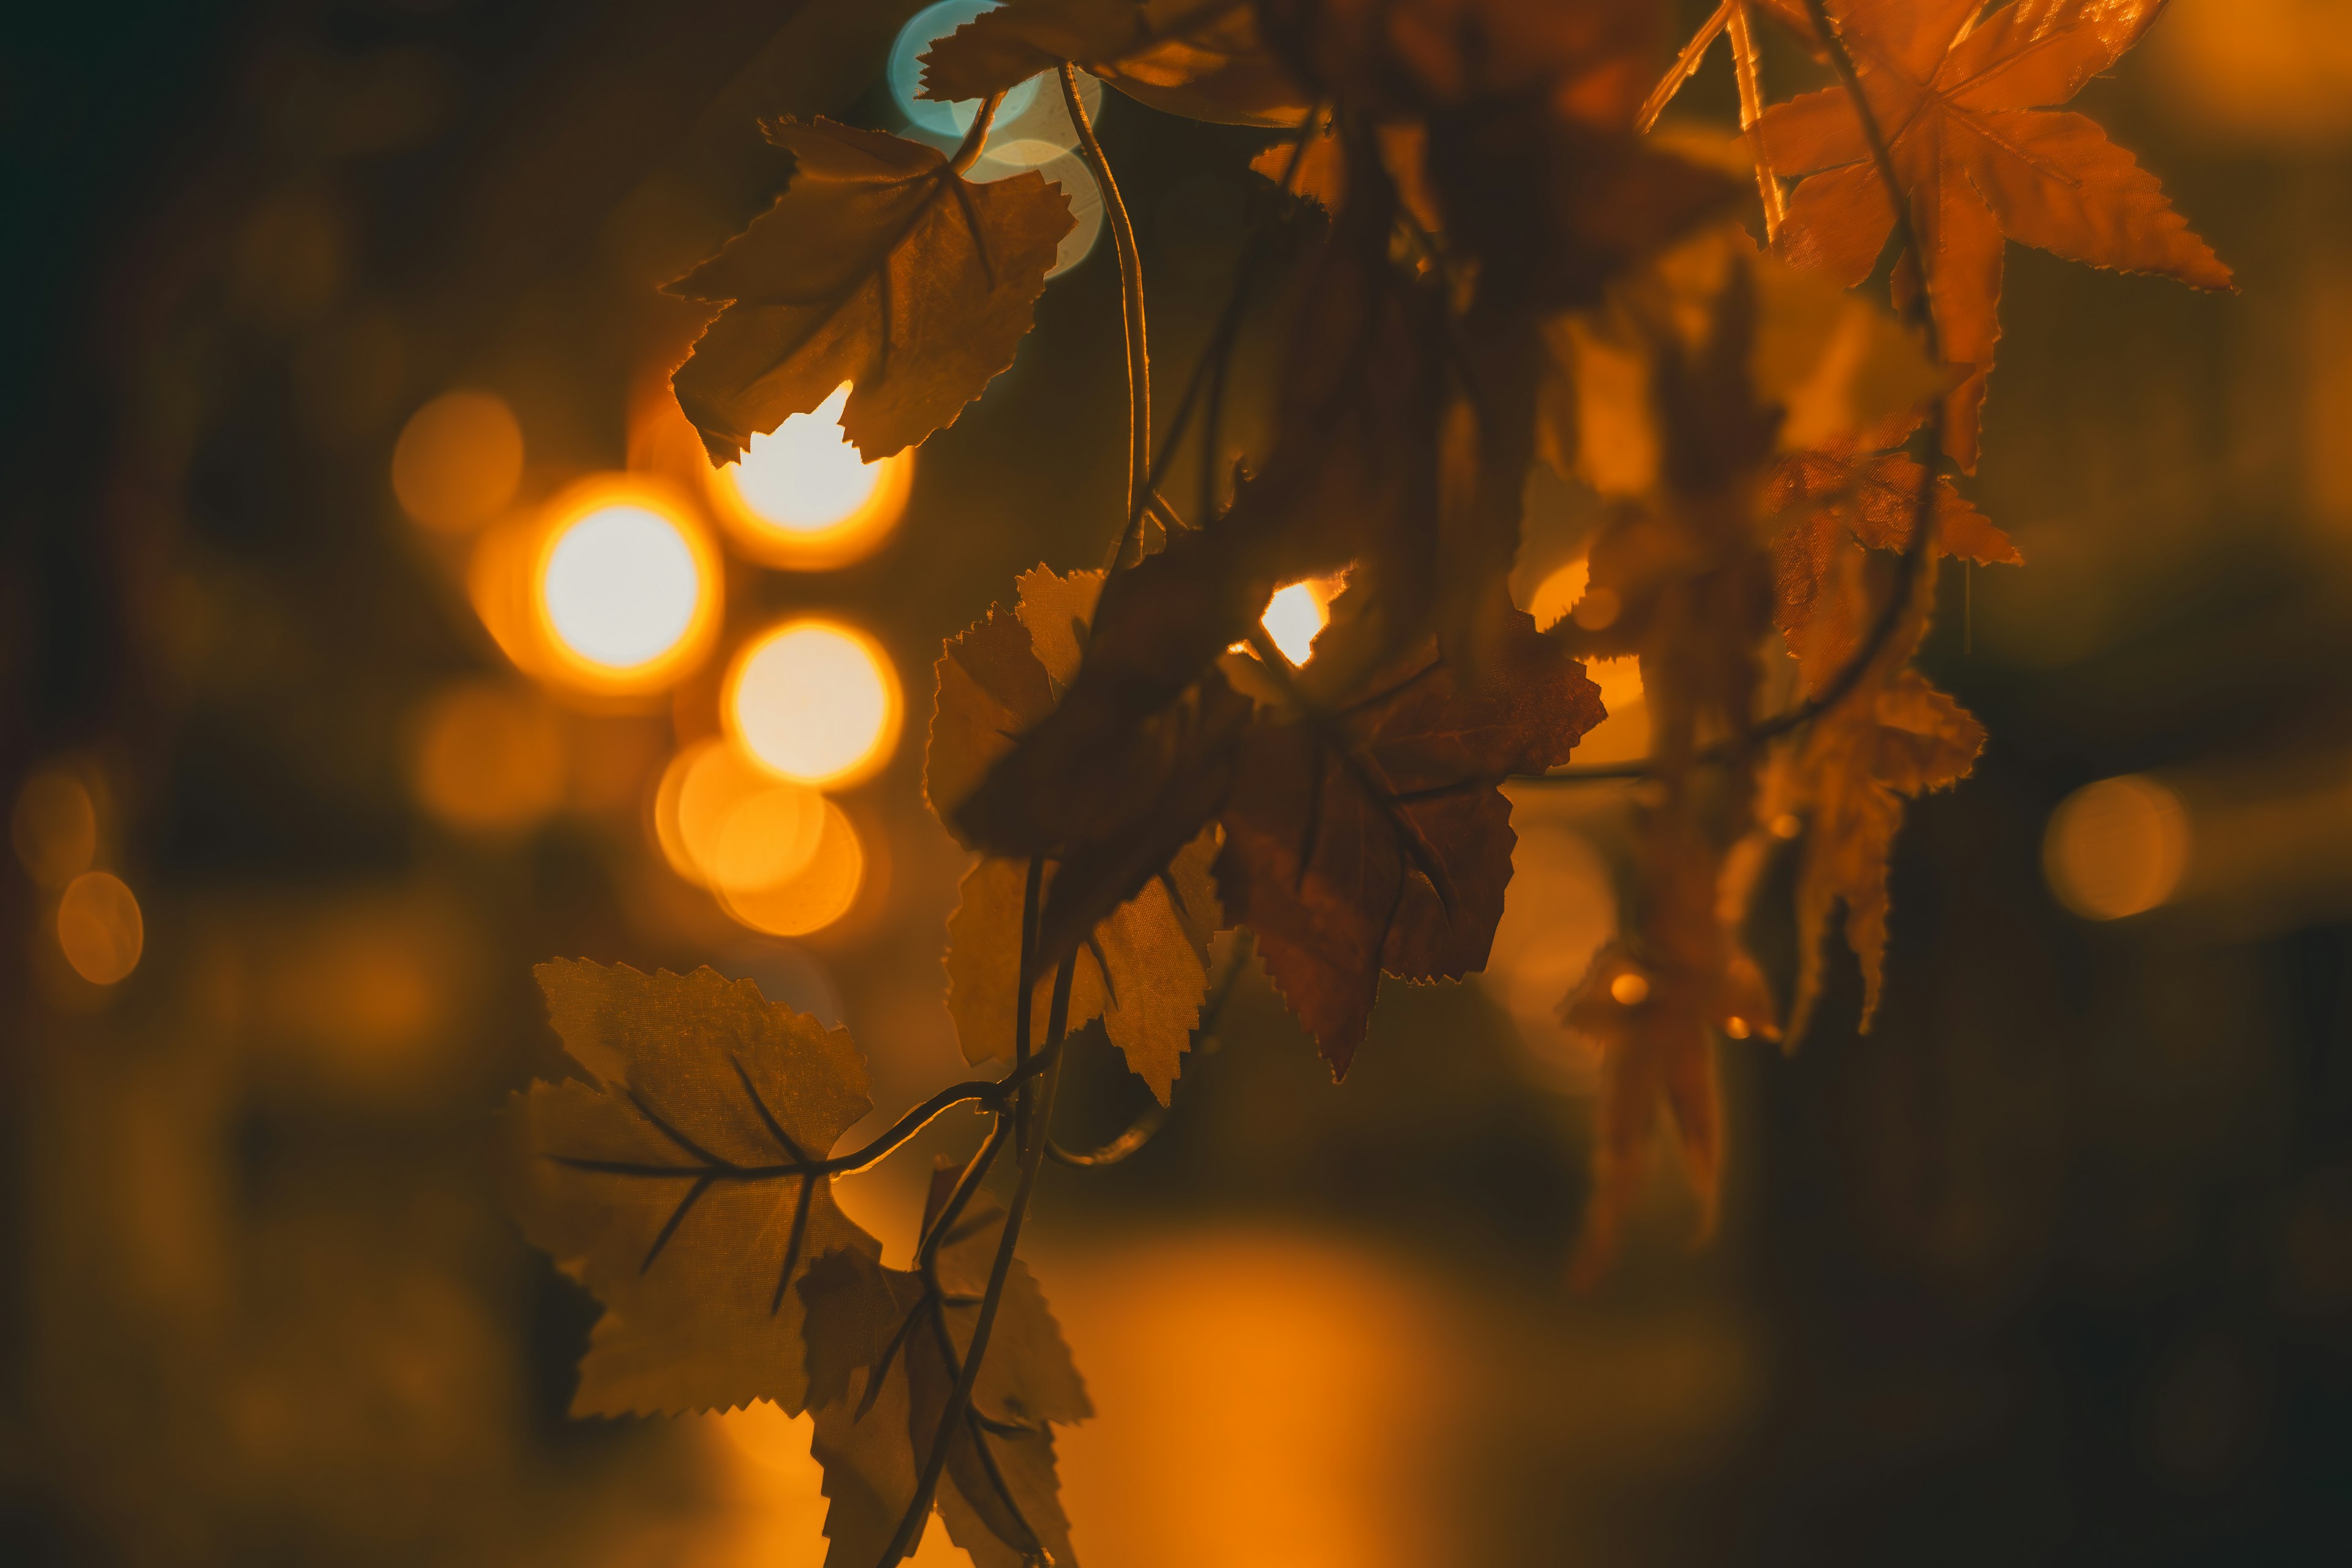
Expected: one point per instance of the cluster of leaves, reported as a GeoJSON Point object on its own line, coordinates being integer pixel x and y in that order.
{"type": "Point", "coordinates": [1514, 273]}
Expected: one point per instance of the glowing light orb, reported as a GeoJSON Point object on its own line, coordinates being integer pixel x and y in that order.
{"type": "Point", "coordinates": [814, 702]}
{"type": "Point", "coordinates": [802, 497]}
{"type": "Point", "coordinates": [819, 893]}
{"type": "Point", "coordinates": [55, 828]}
{"type": "Point", "coordinates": [1294, 618]}
{"type": "Point", "coordinates": [944, 120]}
{"type": "Point", "coordinates": [621, 586]}
{"type": "Point", "coordinates": [767, 839]}
{"type": "Point", "coordinates": [458, 461]}
{"type": "Point", "coordinates": [611, 591]}
{"type": "Point", "coordinates": [99, 928]}
{"type": "Point", "coordinates": [2116, 848]}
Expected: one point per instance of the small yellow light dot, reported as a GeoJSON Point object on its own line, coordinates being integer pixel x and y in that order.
{"type": "Point", "coordinates": [1737, 1029]}
{"type": "Point", "coordinates": [1788, 825]}
{"type": "Point", "coordinates": [1630, 989]}
{"type": "Point", "coordinates": [99, 928]}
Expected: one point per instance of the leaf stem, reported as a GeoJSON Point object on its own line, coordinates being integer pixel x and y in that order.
{"type": "Point", "coordinates": [976, 140]}
{"type": "Point", "coordinates": [918, 1510]}
{"type": "Point", "coordinates": [1747, 66]}
{"type": "Point", "coordinates": [1131, 298]}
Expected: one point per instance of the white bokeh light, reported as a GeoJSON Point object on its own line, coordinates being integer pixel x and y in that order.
{"type": "Point", "coordinates": [620, 587]}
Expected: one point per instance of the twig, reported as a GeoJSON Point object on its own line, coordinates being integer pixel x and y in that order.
{"type": "Point", "coordinates": [1746, 66]}
{"type": "Point", "coordinates": [1154, 1116]}
{"type": "Point", "coordinates": [1131, 298]}
{"type": "Point", "coordinates": [919, 1509]}
{"type": "Point", "coordinates": [975, 138]}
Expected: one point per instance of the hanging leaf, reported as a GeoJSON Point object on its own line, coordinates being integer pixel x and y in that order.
{"type": "Point", "coordinates": [884, 1350]}
{"type": "Point", "coordinates": [679, 1185]}
{"type": "Point", "coordinates": [1143, 964]}
{"type": "Point", "coordinates": [1370, 835]}
{"type": "Point", "coordinates": [880, 265]}
{"type": "Point", "coordinates": [1200, 59]}
{"type": "Point", "coordinates": [1650, 1007]}
{"type": "Point", "coordinates": [1981, 155]}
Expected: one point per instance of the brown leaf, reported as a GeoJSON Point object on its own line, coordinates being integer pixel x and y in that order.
{"type": "Point", "coordinates": [1371, 837]}
{"type": "Point", "coordinates": [883, 1349]}
{"type": "Point", "coordinates": [1589, 60]}
{"type": "Point", "coordinates": [1145, 945]}
{"type": "Point", "coordinates": [1847, 778]}
{"type": "Point", "coordinates": [880, 265]}
{"type": "Point", "coordinates": [1322, 173]}
{"type": "Point", "coordinates": [1143, 969]}
{"type": "Point", "coordinates": [1650, 1006]}
{"type": "Point", "coordinates": [1980, 156]}
{"type": "Point", "coordinates": [673, 1184]}
{"type": "Point", "coordinates": [1200, 59]}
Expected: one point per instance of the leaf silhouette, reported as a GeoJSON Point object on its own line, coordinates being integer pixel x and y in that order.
{"type": "Point", "coordinates": [881, 265]}
{"type": "Point", "coordinates": [1201, 58]}
{"type": "Point", "coordinates": [1143, 969]}
{"type": "Point", "coordinates": [1371, 837]}
{"type": "Point", "coordinates": [1981, 155]}
{"type": "Point", "coordinates": [1590, 59]}
{"type": "Point", "coordinates": [1650, 1006]}
{"type": "Point", "coordinates": [1895, 739]}
{"type": "Point", "coordinates": [679, 1184]}
{"type": "Point", "coordinates": [884, 1348]}
{"type": "Point", "coordinates": [1144, 960]}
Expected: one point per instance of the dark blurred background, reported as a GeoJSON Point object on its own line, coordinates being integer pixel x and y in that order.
{"type": "Point", "coordinates": [2054, 1266]}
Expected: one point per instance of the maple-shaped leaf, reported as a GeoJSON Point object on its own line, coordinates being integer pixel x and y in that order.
{"type": "Point", "coordinates": [680, 1184]}
{"type": "Point", "coordinates": [1144, 961]}
{"type": "Point", "coordinates": [880, 265]}
{"type": "Point", "coordinates": [1835, 503]}
{"type": "Point", "coordinates": [1369, 834]}
{"type": "Point", "coordinates": [1981, 155]}
{"type": "Point", "coordinates": [1201, 58]}
{"type": "Point", "coordinates": [1847, 777]}
{"type": "Point", "coordinates": [884, 1351]}
{"type": "Point", "coordinates": [1790, 13]}
{"type": "Point", "coordinates": [1650, 1006]}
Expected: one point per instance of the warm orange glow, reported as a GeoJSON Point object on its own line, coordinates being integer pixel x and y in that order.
{"type": "Point", "coordinates": [815, 701]}
{"type": "Point", "coordinates": [612, 589]}
{"type": "Point", "coordinates": [99, 928]}
{"type": "Point", "coordinates": [458, 461]}
{"type": "Point", "coordinates": [488, 757]}
{"type": "Point", "coordinates": [767, 839]}
{"type": "Point", "coordinates": [1558, 593]}
{"type": "Point", "coordinates": [818, 894]}
{"type": "Point", "coordinates": [803, 499]}
{"type": "Point", "coordinates": [2116, 848]}
{"type": "Point", "coordinates": [1293, 618]}
{"type": "Point", "coordinates": [54, 828]}
{"type": "Point", "coordinates": [1630, 989]}
{"type": "Point", "coordinates": [723, 821]}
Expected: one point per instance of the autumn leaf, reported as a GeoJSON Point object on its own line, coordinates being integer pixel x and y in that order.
{"type": "Point", "coordinates": [1650, 1006]}
{"type": "Point", "coordinates": [1835, 504]}
{"type": "Point", "coordinates": [1321, 176]}
{"type": "Point", "coordinates": [1143, 969]}
{"type": "Point", "coordinates": [1587, 60]}
{"type": "Point", "coordinates": [1368, 834]}
{"type": "Point", "coordinates": [1143, 964]}
{"type": "Point", "coordinates": [884, 1350]}
{"type": "Point", "coordinates": [1847, 779]}
{"type": "Point", "coordinates": [1981, 156]}
{"type": "Point", "coordinates": [1790, 13]}
{"type": "Point", "coordinates": [679, 1185]}
{"type": "Point", "coordinates": [880, 265]}
{"type": "Point", "coordinates": [1200, 59]}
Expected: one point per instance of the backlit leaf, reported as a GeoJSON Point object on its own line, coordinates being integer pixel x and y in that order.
{"type": "Point", "coordinates": [880, 265]}
{"type": "Point", "coordinates": [1201, 58]}
{"type": "Point", "coordinates": [674, 1186]}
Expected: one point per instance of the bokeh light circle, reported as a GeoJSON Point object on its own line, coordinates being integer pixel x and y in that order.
{"type": "Point", "coordinates": [939, 119]}
{"type": "Point", "coordinates": [2116, 848]}
{"type": "Point", "coordinates": [54, 828]}
{"type": "Point", "coordinates": [99, 928]}
{"type": "Point", "coordinates": [801, 498]}
{"type": "Point", "coordinates": [611, 590]}
{"type": "Point", "coordinates": [488, 757]}
{"type": "Point", "coordinates": [458, 461]}
{"type": "Point", "coordinates": [821, 892]}
{"type": "Point", "coordinates": [1060, 167]}
{"type": "Point", "coordinates": [815, 701]}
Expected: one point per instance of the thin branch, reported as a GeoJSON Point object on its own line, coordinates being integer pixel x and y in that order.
{"type": "Point", "coordinates": [1154, 1116]}
{"type": "Point", "coordinates": [1685, 65]}
{"type": "Point", "coordinates": [1131, 298]}
{"type": "Point", "coordinates": [918, 1510]}
{"type": "Point", "coordinates": [1747, 68]}
{"type": "Point", "coordinates": [975, 138]}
